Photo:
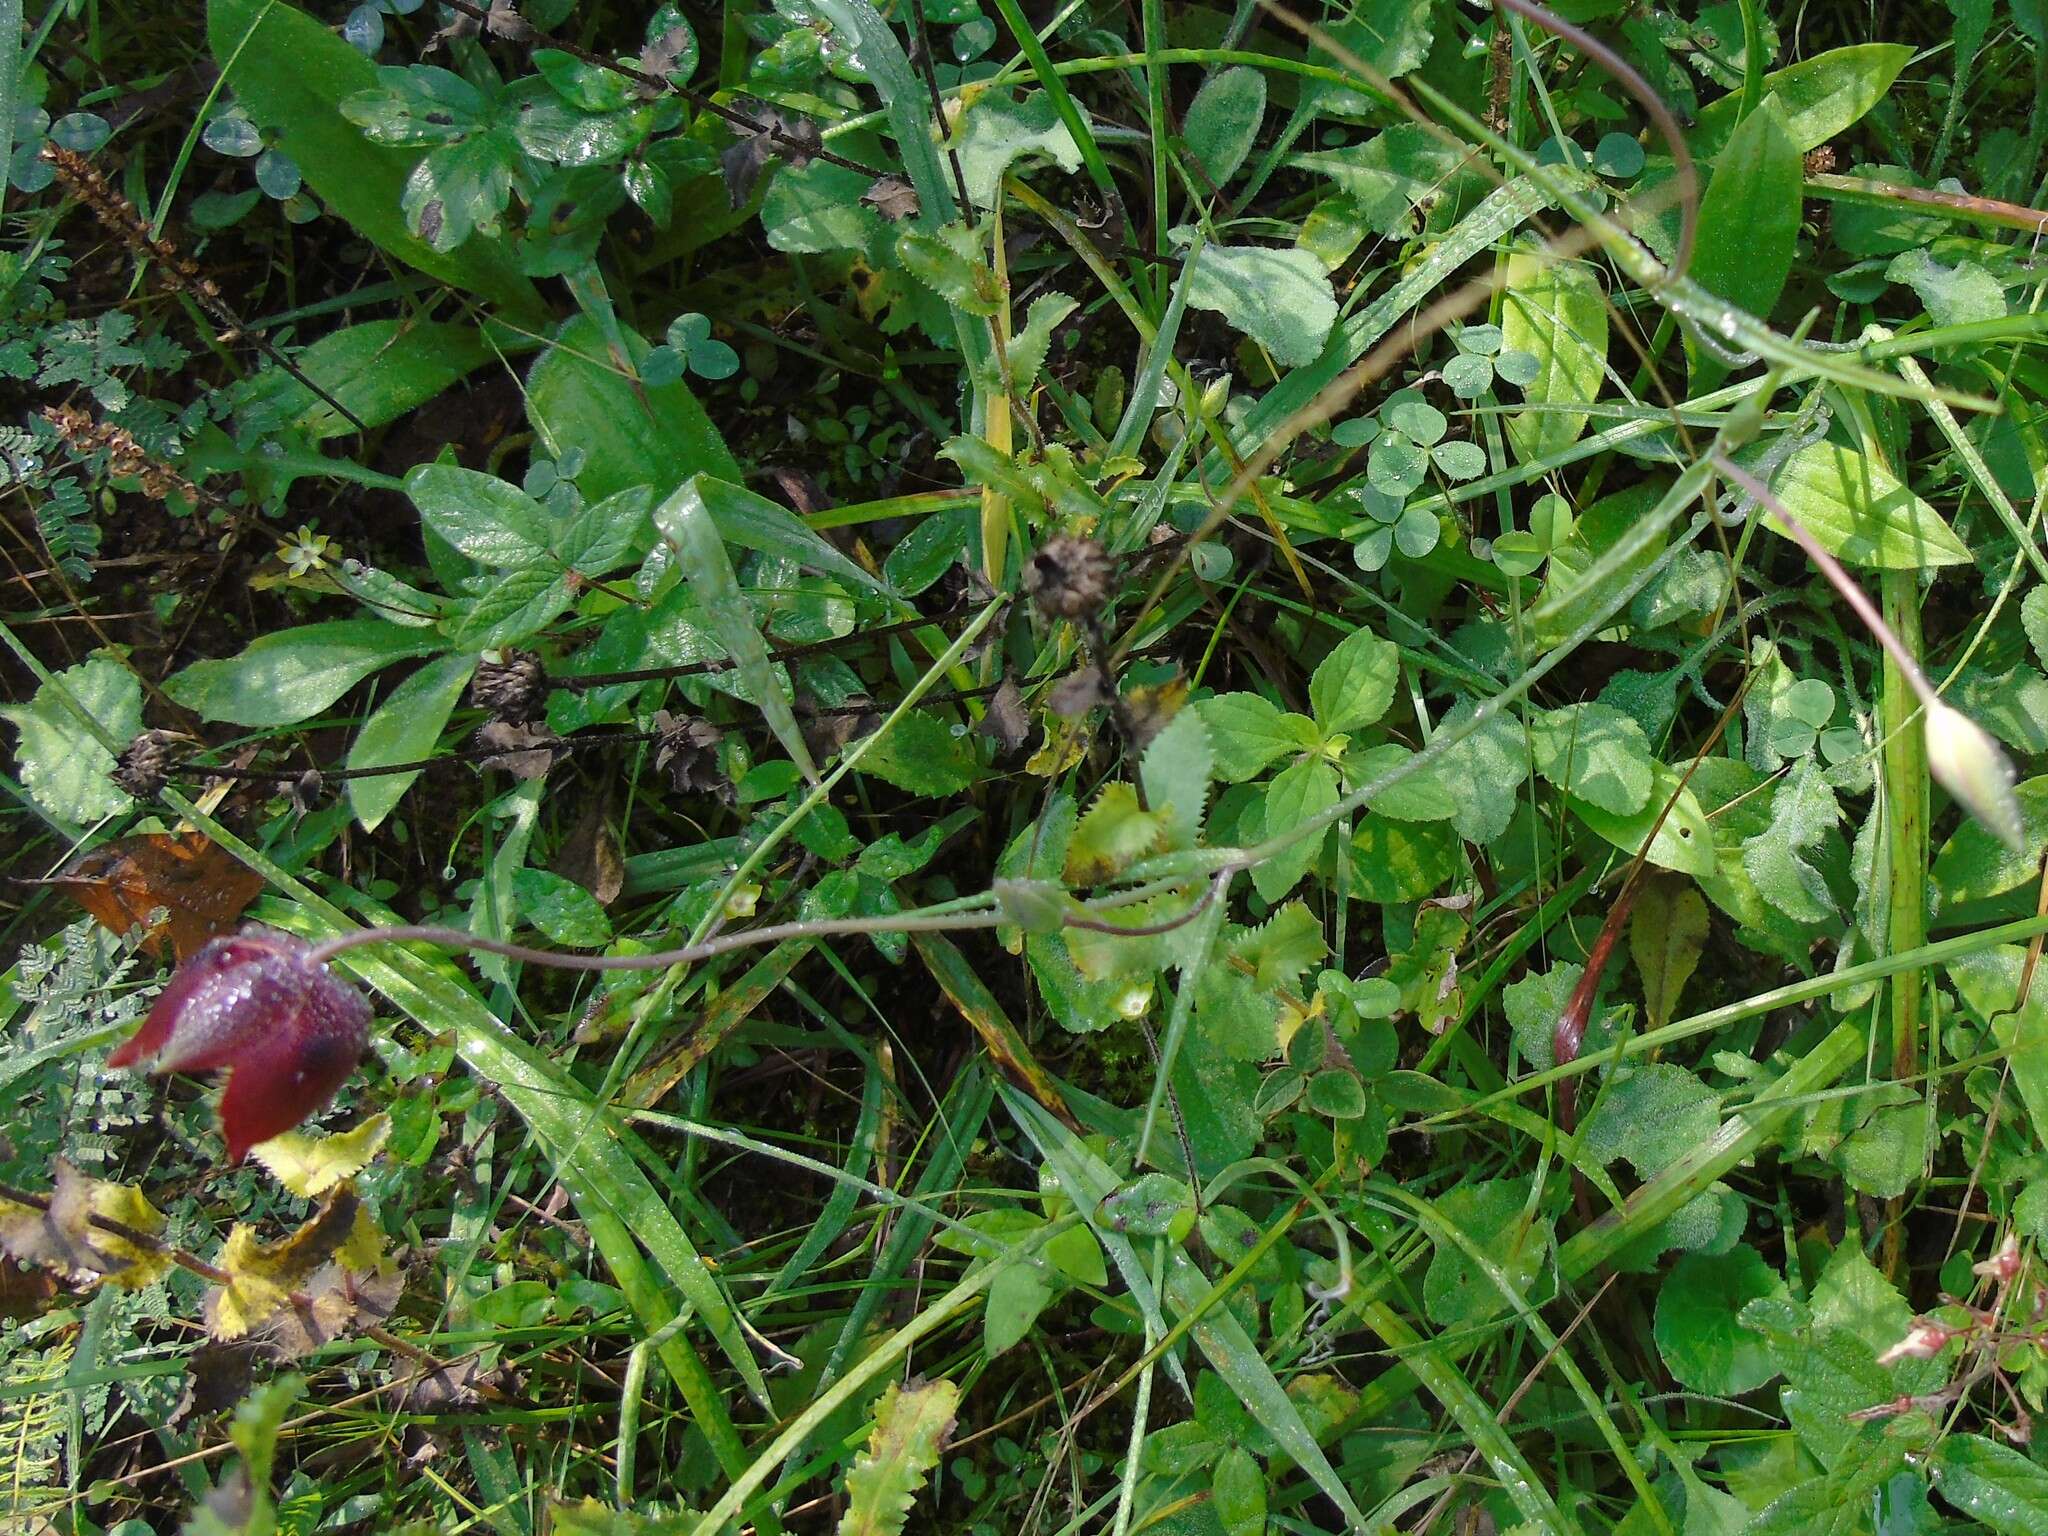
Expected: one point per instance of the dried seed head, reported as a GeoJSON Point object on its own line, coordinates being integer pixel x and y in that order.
{"type": "Point", "coordinates": [513, 687]}
{"type": "Point", "coordinates": [1068, 578]}
{"type": "Point", "coordinates": [145, 764]}
{"type": "Point", "coordinates": [687, 751]}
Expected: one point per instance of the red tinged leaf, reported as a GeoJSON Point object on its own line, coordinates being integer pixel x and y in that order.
{"type": "Point", "coordinates": [201, 888]}
{"type": "Point", "coordinates": [287, 1031]}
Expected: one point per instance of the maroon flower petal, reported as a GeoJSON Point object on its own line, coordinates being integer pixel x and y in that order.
{"type": "Point", "coordinates": [289, 1032]}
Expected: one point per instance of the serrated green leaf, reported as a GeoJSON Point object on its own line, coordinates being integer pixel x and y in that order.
{"type": "Point", "coordinates": [1298, 794]}
{"type": "Point", "coordinates": [1354, 684]}
{"type": "Point", "coordinates": [911, 1426]}
{"type": "Point", "coordinates": [1595, 753]}
{"type": "Point", "coordinates": [1992, 1483]}
{"type": "Point", "coordinates": [62, 764]}
{"type": "Point", "coordinates": [1246, 732]}
{"type": "Point", "coordinates": [1803, 811]}
{"type": "Point", "coordinates": [1175, 771]}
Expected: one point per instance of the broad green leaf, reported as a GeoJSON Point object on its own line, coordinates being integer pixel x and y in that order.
{"type": "Point", "coordinates": [1354, 684]}
{"type": "Point", "coordinates": [1423, 795]}
{"type": "Point", "coordinates": [999, 128]}
{"type": "Point", "coordinates": [1748, 224]}
{"type": "Point", "coordinates": [489, 520]}
{"type": "Point", "coordinates": [1175, 771]}
{"type": "Point", "coordinates": [911, 1426]}
{"type": "Point", "coordinates": [1280, 298]}
{"type": "Point", "coordinates": [818, 208]}
{"type": "Point", "coordinates": [291, 74]}
{"type": "Point", "coordinates": [1247, 731]}
{"type": "Point", "coordinates": [1298, 794]}
{"type": "Point", "coordinates": [1885, 1155]}
{"type": "Point", "coordinates": [1222, 122]}
{"type": "Point", "coordinates": [1595, 752]}
{"type": "Point", "coordinates": [1996, 1485]}
{"type": "Point", "coordinates": [1152, 1205]}
{"type": "Point", "coordinates": [1238, 1493]}
{"type": "Point", "coordinates": [1555, 312]}
{"type": "Point", "coordinates": [685, 521]}
{"type": "Point", "coordinates": [1533, 1004]}
{"type": "Point", "coordinates": [561, 909]}
{"type": "Point", "coordinates": [1858, 510]}
{"type": "Point", "coordinates": [754, 522]}
{"type": "Point", "coordinates": [1388, 176]}
{"type": "Point", "coordinates": [1957, 295]}
{"type": "Point", "coordinates": [1989, 982]}
{"type": "Point", "coordinates": [379, 369]}
{"type": "Point", "coordinates": [1803, 811]}
{"type": "Point", "coordinates": [62, 764]}
{"type": "Point", "coordinates": [1698, 1333]}
{"type": "Point", "coordinates": [1666, 934]}
{"type": "Point", "coordinates": [1495, 1215]}
{"type": "Point", "coordinates": [1819, 97]}
{"type": "Point", "coordinates": [1489, 766]}
{"type": "Point", "coordinates": [405, 728]}
{"type": "Point", "coordinates": [1401, 861]}
{"type": "Point", "coordinates": [1015, 1298]}
{"type": "Point", "coordinates": [1976, 863]}
{"type": "Point", "coordinates": [1651, 1116]}
{"type": "Point", "coordinates": [1685, 840]}
{"type": "Point", "coordinates": [579, 395]}
{"type": "Point", "coordinates": [923, 755]}
{"type": "Point", "coordinates": [293, 674]}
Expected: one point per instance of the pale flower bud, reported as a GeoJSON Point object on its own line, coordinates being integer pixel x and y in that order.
{"type": "Point", "coordinates": [1967, 763]}
{"type": "Point", "coordinates": [1923, 1341]}
{"type": "Point", "coordinates": [2003, 1265]}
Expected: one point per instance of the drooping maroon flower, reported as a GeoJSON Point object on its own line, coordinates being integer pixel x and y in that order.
{"type": "Point", "coordinates": [287, 1030]}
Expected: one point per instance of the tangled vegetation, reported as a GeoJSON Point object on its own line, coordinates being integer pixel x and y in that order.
{"type": "Point", "coordinates": [1204, 769]}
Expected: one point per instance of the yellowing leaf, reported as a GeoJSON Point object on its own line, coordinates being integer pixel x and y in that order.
{"type": "Point", "coordinates": [911, 1425]}
{"type": "Point", "coordinates": [1666, 935]}
{"type": "Point", "coordinates": [261, 1276]}
{"type": "Point", "coordinates": [251, 1294]}
{"type": "Point", "coordinates": [310, 1166]}
{"type": "Point", "coordinates": [65, 1238]}
{"type": "Point", "coordinates": [1113, 834]}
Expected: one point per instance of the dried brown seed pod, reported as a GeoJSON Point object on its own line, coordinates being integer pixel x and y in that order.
{"type": "Point", "coordinates": [1068, 577]}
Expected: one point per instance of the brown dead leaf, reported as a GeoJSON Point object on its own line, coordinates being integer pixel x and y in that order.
{"type": "Point", "coordinates": [201, 889]}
